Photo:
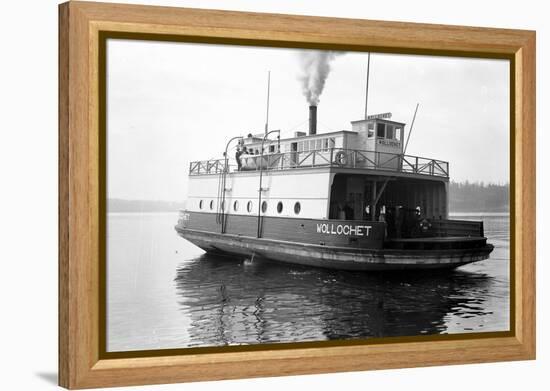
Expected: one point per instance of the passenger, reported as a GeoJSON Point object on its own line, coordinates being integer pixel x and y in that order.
{"type": "Point", "coordinates": [416, 230]}
{"type": "Point", "coordinates": [341, 211]}
{"type": "Point", "coordinates": [382, 216]}
{"type": "Point", "coordinates": [366, 213]}
{"type": "Point", "coordinates": [238, 154]}
{"type": "Point", "coordinates": [398, 222]}
{"type": "Point", "coordinates": [390, 221]}
{"type": "Point", "coordinates": [382, 219]}
{"type": "Point", "coordinates": [348, 211]}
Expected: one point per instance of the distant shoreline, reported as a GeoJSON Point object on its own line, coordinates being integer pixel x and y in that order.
{"type": "Point", "coordinates": [478, 214]}
{"type": "Point", "coordinates": [451, 214]}
{"type": "Point", "coordinates": [115, 205]}
{"type": "Point", "coordinates": [465, 198]}
{"type": "Point", "coordinates": [118, 206]}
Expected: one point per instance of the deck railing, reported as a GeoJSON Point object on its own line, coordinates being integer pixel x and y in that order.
{"type": "Point", "coordinates": [332, 157]}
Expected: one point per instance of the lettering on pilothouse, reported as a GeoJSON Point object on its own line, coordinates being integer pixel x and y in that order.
{"type": "Point", "coordinates": [344, 229]}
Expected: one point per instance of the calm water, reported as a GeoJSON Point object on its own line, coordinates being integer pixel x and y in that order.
{"type": "Point", "coordinates": [163, 292]}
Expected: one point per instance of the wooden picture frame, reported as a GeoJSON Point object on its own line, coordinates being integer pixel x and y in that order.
{"type": "Point", "coordinates": [83, 28]}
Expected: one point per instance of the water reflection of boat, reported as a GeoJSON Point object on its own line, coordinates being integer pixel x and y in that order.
{"type": "Point", "coordinates": [234, 302]}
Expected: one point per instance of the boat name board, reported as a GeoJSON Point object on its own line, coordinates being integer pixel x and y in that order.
{"type": "Point", "coordinates": [392, 143]}
{"type": "Point", "coordinates": [379, 116]}
{"type": "Point", "coordinates": [344, 229]}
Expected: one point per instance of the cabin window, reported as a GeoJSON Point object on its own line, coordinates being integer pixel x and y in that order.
{"type": "Point", "coordinates": [297, 208]}
{"type": "Point", "coordinates": [311, 145]}
{"type": "Point", "coordinates": [264, 206]}
{"type": "Point", "coordinates": [398, 132]}
{"type": "Point", "coordinates": [389, 132]}
{"type": "Point", "coordinates": [272, 148]}
{"type": "Point", "coordinates": [380, 130]}
{"type": "Point", "coordinates": [211, 204]}
{"type": "Point", "coordinates": [279, 207]}
{"type": "Point", "coordinates": [236, 206]}
{"type": "Point", "coordinates": [249, 206]}
{"type": "Point", "coordinates": [200, 204]}
{"type": "Point", "coordinates": [370, 129]}
{"type": "Point", "coordinates": [300, 146]}
{"type": "Point", "coordinates": [331, 142]}
{"type": "Point", "coordinates": [318, 144]}
{"type": "Point", "coordinates": [325, 144]}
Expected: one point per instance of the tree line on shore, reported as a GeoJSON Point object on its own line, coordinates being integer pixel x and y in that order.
{"type": "Point", "coordinates": [478, 197]}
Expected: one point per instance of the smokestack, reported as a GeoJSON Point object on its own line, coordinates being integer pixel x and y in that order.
{"type": "Point", "coordinates": [312, 120]}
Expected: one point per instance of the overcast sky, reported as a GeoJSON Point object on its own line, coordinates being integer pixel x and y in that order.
{"type": "Point", "coordinates": [172, 103]}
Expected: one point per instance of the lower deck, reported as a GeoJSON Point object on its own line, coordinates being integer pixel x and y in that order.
{"type": "Point", "coordinates": [366, 197]}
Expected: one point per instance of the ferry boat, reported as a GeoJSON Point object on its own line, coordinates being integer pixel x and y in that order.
{"type": "Point", "coordinates": [349, 200]}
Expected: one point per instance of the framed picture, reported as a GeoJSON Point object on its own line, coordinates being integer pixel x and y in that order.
{"type": "Point", "coordinates": [247, 195]}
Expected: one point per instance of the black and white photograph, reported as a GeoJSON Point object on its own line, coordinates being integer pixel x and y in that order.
{"type": "Point", "coordinates": [263, 195]}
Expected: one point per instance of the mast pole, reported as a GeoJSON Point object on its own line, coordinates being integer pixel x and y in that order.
{"type": "Point", "coordinates": [267, 108]}
{"type": "Point", "coordinates": [410, 131]}
{"type": "Point", "coordinates": [367, 87]}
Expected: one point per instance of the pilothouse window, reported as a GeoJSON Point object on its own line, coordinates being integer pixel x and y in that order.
{"type": "Point", "coordinates": [398, 132]}
{"type": "Point", "coordinates": [389, 132]}
{"type": "Point", "coordinates": [370, 129]}
{"type": "Point", "coordinates": [380, 130]}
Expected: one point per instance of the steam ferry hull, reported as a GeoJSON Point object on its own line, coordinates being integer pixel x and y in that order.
{"type": "Point", "coordinates": [344, 258]}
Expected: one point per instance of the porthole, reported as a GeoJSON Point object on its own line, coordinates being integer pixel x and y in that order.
{"type": "Point", "coordinates": [279, 207]}
{"type": "Point", "coordinates": [264, 206]}
{"type": "Point", "coordinates": [223, 206]}
{"type": "Point", "coordinates": [212, 205]}
{"type": "Point", "coordinates": [200, 204]}
{"type": "Point", "coordinates": [297, 208]}
{"type": "Point", "coordinates": [249, 206]}
{"type": "Point", "coordinates": [236, 206]}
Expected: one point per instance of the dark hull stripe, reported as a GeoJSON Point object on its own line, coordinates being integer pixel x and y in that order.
{"type": "Point", "coordinates": [339, 233]}
{"type": "Point", "coordinates": [334, 257]}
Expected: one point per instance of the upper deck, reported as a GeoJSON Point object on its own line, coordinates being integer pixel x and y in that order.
{"type": "Point", "coordinates": [327, 157]}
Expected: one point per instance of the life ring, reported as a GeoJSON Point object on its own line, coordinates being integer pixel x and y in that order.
{"type": "Point", "coordinates": [425, 225]}
{"type": "Point", "coordinates": [341, 158]}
